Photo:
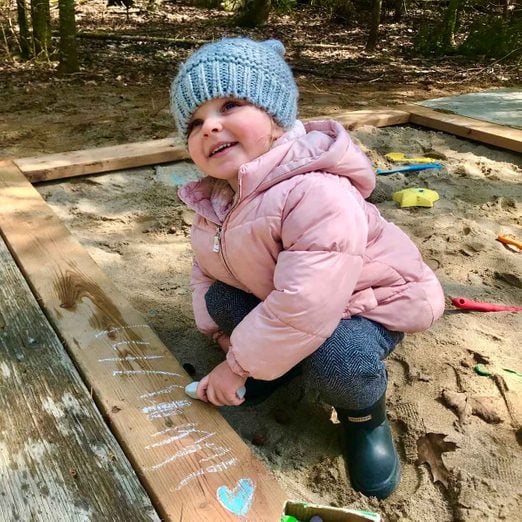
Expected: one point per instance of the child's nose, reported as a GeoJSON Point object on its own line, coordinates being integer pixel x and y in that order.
{"type": "Point", "coordinates": [212, 124]}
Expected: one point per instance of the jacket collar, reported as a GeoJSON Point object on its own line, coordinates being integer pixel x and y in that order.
{"type": "Point", "coordinates": [313, 146]}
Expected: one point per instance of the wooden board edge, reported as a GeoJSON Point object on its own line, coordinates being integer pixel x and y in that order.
{"type": "Point", "coordinates": [376, 118]}
{"type": "Point", "coordinates": [106, 159]}
{"type": "Point", "coordinates": [476, 130]}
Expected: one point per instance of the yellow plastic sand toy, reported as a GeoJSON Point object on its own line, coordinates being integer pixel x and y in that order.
{"type": "Point", "coordinates": [400, 157]}
{"type": "Point", "coordinates": [415, 197]}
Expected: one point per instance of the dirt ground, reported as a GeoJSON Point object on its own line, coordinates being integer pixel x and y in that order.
{"type": "Point", "coordinates": [120, 94]}
{"type": "Point", "coordinates": [458, 433]}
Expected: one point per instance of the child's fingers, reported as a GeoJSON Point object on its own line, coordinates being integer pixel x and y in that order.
{"type": "Point", "coordinates": [237, 401]}
{"type": "Point", "coordinates": [201, 391]}
{"type": "Point", "coordinates": [231, 399]}
{"type": "Point", "coordinates": [221, 398]}
{"type": "Point", "coordinates": [213, 395]}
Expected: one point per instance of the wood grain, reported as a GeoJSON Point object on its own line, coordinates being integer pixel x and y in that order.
{"type": "Point", "coordinates": [183, 450]}
{"type": "Point", "coordinates": [376, 118]}
{"type": "Point", "coordinates": [476, 130]}
{"type": "Point", "coordinates": [104, 159]}
{"type": "Point", "coordinates": [59, 459]}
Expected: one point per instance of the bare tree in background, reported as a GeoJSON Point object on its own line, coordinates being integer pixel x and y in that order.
{"type": "Point", "coordinates": [23, 27]}
{"type": "Point", "coordinates": [68, 53]}
{"type": "Point", "coordinates": [450, 23]}
{"type": "Point", "coordinates": [374, 25]}
{"type": "Point", "coordinates": [41, 22]}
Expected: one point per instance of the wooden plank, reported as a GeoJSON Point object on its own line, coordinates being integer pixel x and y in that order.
{"type": "Point", "coordinates": [193, 465]}
{"type": "Point", "coordinates": [376, 117]}
{"type": "Point", "coordinates": [103, 159]}
{"type": "Point", "coordinates": [483, 131]}
{"type": "Point", "coordinates": [59, 459]}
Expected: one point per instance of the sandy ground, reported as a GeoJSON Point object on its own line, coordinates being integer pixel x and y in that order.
{"type": "Point", "coordinates": [135, 228]}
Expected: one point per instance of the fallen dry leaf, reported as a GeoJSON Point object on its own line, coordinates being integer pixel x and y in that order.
{"type": "Point", "coordinates": [459, 403]}
{"type": "Point", "coordinates": [464, 407]}
{"type": "Point", "coordinates": [485, 408]}
{"type": "Point", "coordinates": [430, 448]}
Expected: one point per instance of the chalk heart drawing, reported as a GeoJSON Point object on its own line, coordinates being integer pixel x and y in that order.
{"type": "Point", "coordinates": [239, 500]}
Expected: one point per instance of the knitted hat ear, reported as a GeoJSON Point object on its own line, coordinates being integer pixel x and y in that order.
{"type": "Point", "coordinates": [238, 68]}
{"type": "Point", "coordinates": [275, 45]}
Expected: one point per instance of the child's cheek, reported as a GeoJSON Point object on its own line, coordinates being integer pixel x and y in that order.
{"type": "Point", "coordinates": [194, 153]}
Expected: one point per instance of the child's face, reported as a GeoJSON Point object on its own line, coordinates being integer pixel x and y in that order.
{"type": "Point", "coordinates": [225, 133]}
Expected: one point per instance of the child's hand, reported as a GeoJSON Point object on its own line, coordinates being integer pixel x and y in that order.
{"type": "Point", "coordinates": [219, 387]}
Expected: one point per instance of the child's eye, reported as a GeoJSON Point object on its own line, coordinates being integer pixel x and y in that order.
{"type": "Point", "coordinates": [230, 104]}
{"type": "Point", "coordinates": [194, 124]}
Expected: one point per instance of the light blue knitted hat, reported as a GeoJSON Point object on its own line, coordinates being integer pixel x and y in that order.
{"type": "Point", "coordinates": [238, 67]}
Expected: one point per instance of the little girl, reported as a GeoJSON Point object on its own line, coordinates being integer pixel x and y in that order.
{"type": "Point", "coordinates": [294, 271]}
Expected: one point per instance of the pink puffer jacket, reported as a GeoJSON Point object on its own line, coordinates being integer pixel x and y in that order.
{"type": "Point", "coordinates": [300, 236]}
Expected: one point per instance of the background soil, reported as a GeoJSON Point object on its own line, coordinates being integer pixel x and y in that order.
{"type": "Point", "coordinates": [136, 229]}
{"type": "Point", "coordinates": [121, 93]}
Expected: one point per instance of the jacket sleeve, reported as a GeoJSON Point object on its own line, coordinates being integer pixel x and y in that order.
{"type": "Point", "coordinates": [323, 233]}
{"type": "Point", "coordinates": [199, 284]}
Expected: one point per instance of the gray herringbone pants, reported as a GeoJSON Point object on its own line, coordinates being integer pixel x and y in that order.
{"type": "Point", "coordinates": [347, 369]}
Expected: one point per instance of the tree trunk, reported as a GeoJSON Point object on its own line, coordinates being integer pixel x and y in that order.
{"type": "Point", "coordinates": [398, 10]}
{"type": "Point", "coordinates": [68, 54]}
{"type": "Point", "coordinates": [506, 4]}
{"type": "Point", "coordinates": [374, 25]}
{"type": "Point", "coordinates": [40, 15]}
{"type": "Point", "coordinates": [26, 50]}
{"type": "Point", "coordinates": [254, 13]}
{"type": "Point", "coordinates": [450, 22]}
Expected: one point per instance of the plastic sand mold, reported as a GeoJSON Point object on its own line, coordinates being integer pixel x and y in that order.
{"type": "Point", "coordinates": [400, 157]}
{"type": "Point", "coordinates": [415, 197]}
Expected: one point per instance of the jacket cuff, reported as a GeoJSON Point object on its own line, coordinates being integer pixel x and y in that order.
{"type": "Point", "coordinates": [235, 366]}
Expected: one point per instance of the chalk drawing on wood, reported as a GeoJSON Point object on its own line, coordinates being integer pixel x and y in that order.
{"type": "Point", "coordinates": [238, 500]}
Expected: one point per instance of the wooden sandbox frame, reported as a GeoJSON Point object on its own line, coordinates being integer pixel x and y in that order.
{"type": "Point", "coordinates": [90, 314]}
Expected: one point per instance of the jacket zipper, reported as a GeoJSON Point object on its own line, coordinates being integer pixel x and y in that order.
{"type": "Point", "coordinates": [216, 246]}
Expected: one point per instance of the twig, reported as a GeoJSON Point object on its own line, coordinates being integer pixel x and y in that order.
{"type": "Point", "coordinates": [501, 385]}
{"type": "Point", "coordinates": [161, 107]}
{"type": "Point", "coordinates": [97, 35]}
{"type": "Point", "coordinates": [493, 63]}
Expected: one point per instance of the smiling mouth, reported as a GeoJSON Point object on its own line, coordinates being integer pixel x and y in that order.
{"type": "Point", "coordinates": [221, 148]}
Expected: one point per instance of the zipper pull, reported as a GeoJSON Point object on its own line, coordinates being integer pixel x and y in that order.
{"type": "Point", "coordinates": [217, 241]}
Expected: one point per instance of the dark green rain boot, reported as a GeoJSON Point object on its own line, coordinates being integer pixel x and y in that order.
{"type": "Point", "coordinates": [371, 457]}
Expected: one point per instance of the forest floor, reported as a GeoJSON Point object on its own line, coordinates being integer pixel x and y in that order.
{"type": "Point", "coordinates": [132, 222]}
{"type": "Point", "coordinates": [121, 94]}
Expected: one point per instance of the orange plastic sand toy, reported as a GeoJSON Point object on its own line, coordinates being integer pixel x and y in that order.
{"type": "Point", "coordinates": [509, 241]}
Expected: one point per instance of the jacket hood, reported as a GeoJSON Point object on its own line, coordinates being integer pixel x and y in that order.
{"type": "Point", "coordinates": [314, 146]}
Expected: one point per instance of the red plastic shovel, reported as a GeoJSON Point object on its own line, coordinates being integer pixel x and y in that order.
{"type": "Point", "coordinates": [469, 304]}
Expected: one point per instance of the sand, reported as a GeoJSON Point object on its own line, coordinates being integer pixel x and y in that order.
{"type": "Point", "coordinates": [136, 229]}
